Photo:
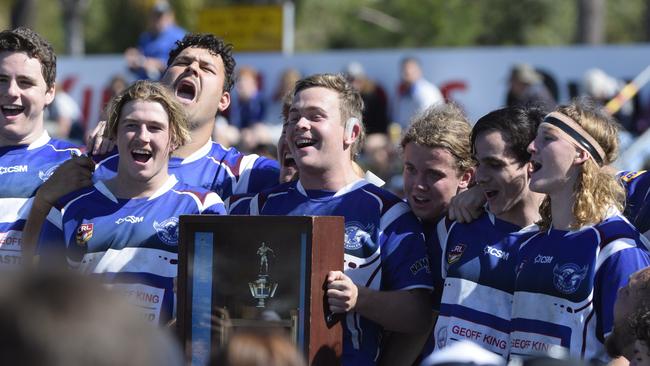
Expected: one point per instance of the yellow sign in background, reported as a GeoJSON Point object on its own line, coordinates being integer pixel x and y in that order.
{"type": "Point", "coordinates": [248, 28]}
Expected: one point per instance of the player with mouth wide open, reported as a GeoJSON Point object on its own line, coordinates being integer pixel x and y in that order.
{"type": "Point", "coordinates": [568, 273]}
{"type": "Point", "coordinates": [124, 230]}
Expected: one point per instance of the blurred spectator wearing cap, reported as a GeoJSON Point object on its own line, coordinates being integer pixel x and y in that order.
{"type": "Point", "coordinates": [149, 59]}
{"type": "Point", "coordinates": [375, 101]}
{"type": "Point", "coordinates": [601, 88]}
{"type": "Point", "coordinates": [527, 89]}
{"type": "Point", "coordinates": [415, 92]}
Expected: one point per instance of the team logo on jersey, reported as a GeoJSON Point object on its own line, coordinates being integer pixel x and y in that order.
{"type": "Point", "coordinates": [45, 175]}
{"type": "Point", "coordinates": [356, 235]}
{"type": "Point", "coordinates": [167, 230]}
{"type": "Point", "coordinates": [441, 337]}
{"type": "Point", "coordinates": [455, 253]}
{"type": "Point", "coordinates": [567, 278]}
{"type": "Point", "coordinates": [631, 175]}
{"type": "Point", "coordinates": [84, 233]}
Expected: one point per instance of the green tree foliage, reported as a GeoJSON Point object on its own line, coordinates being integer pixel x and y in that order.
{"type": "Point", "coordinates": [112, 26]}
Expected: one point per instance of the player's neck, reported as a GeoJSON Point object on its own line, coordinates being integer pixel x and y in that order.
{"type": "Point", "coordinates": [130, 188]}
{"type": "Point", "coordinates": [199, 137]}
{"type": "Point", "coordinates": [525, 212]}
{"type": "Point", "coordinates": [34, 135]}
{"type": "Point", "coordinates": [328, 179]}
{"type": "Point", "coordinates": [562, 208]}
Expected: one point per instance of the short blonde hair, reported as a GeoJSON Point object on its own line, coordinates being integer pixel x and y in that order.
{"type": "Point", "coordinates": [443, 126]}
{"type": "Point", "coordinates": [597, 189]}
{"type": "Point", "coordinates": [151, 92]}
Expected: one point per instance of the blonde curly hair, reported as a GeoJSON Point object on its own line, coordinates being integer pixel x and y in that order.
{"type": "Point", "coordinates": [596, 190]}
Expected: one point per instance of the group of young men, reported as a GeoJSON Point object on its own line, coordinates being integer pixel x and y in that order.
{"type": "Point", "coordinates": [396, 253]}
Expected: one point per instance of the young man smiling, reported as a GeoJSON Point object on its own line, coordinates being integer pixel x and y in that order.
{"type": "Point", "coordinates": [386, 278]}
{"type": "Point", "coordinates": [476, 261]}
{"type": "Point", "coordinates": [28, 156]}
{"type": "Point", "coordinates": [125, 230]}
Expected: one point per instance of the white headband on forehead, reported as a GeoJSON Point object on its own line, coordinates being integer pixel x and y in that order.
{"type": "Point", "coordinates": [576, 134]}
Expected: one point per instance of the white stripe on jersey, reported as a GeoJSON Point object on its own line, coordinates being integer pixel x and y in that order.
{"type": "Point", "coordinates": [210, 199]}
{"type": "Point", "coordinates": [531, 305]}
{"type": "Point", "coordinates": [65, 149]}
{"type": "Point", "coordinates": [443, 235]}
{"type": "Point", "coordinates": [392, 214]}
{"type": "Point", "coordinates": [611, 249]}
{"type": "Point", "coordinates": [14, 209]}
{"type": "Point", "coordinates": [352, 320]}
{"type": "Point", "coordinates": [55, 217]}
{"type": "Point", "coordinates": [131, 260]}
{"type": "Point", "coordinates": [101, 187]}
{"type": "Point", "coordinates": [255, 207]}
{"type": "Point", "coordinates": [245, 168]}
{"type": "Point", "coordinates": [471, 294]}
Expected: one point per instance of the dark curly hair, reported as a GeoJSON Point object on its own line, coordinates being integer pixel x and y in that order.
{"type": "Point", "coordinates": [215, 45]}
{"type": "Point", "coordinates": [25, 40]}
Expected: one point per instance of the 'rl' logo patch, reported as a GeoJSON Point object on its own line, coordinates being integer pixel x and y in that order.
{"type": "Point", "coordinates": [455, 253]}
{"type": "Point", "coordinates": [84, 233]}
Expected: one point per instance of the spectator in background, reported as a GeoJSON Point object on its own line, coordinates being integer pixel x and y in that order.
{"type": "Point", "coordinates": [66, 115]}
{"type": "Point", "coordinates": [380, 156]}
{"type": "Point", "coordinates": [149, 59]}
{"type": "Point", "coordinates": [375, 113]}
{"type": "Point", "coordinates": [283, 88]}
{"type": "Point", "coordinates": [248, 108]}
{"type": "Point", "coordinates": [527, 89]}
{"type": "Point", "coordinates": [415, 93]}
{"type": "Point", "coordinates": [602, 88]}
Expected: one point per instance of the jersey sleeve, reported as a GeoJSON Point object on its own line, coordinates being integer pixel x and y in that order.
{"type": "Point", "coordinates": [51, 245]}
{"type": "Point", "coordinates": [405, 264]}
{"type": "Point", "coordinates": [637, 187]}
{"type": "Point", "coordinates": [265, 174]}
{"type": "Point", "coordinates": [436, 248]}
{"type": "Point", "coordinates": [212, 205]}
{"type": "Point", "coordinates": [239, 204]}
{"type": "Point", "coordinates": [623, 258]}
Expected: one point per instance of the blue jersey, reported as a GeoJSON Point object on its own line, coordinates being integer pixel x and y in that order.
{"type": "Point", "coordinates": [384, 246]}
{"type": "Point", "coordinates": [131, 244]}
{"type": "Point", "coordinates": [637, 207]}
{"type": "Point", "coordinates": [224, 171]}
{"type": "Point", "coordinates": [566, 286]}
{"type": "Point", "coordinates": [474, 265]}
{"type": "Point", "coordinates": [23, 169]}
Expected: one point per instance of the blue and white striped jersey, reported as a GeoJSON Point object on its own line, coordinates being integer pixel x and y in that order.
{"type": "Point", "coordinates": [637, 202]}
{"type": "Point", "coordinates": [131, 244]}
{"type": "Point", "coordinates": [224, 171]}
{"type": "Point", "coordinates": [23, 169]}
{"type": "Point", "coordinates": [384, 246]}
{"type": "Point", "coordinates": [474, 266]}
{"type": "Point", "coordinates": [566, 287]}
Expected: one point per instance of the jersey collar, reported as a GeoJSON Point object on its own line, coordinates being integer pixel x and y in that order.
{"type": "Point", "coordinates": [44, 139]}
{"type": "Point", "coordinates": [198, 154]}
{"type": "Point", "coordinates": [350, 187]}
{"type": "Point", "coordinates": [169, 183]}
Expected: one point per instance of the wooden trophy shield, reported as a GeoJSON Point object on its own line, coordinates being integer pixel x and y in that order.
{"type": "Point", "coordinates": [248, 273]}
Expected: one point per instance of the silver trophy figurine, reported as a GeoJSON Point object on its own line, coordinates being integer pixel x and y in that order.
{"type": "Point", "coordinates": [263, 288]}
